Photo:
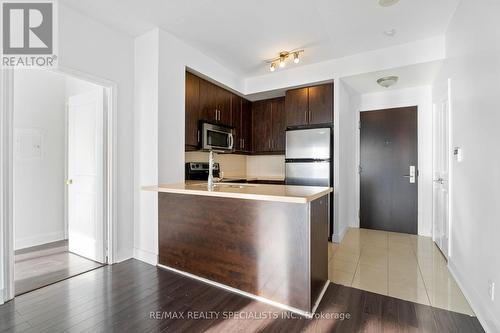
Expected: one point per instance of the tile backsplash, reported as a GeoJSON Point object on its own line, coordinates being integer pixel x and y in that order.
{"type": "Point", "coordinates": [234, 165]}
{"type": "Point", "coordinates": [266, 166]}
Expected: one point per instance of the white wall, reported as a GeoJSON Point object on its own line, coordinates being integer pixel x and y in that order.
{"type": "Point", "coordinates": [39, 173]}
{"type": "Point", "coordinates": [347, 210]}
{"type": "Point", "coordinates": [473, 65]}
{"type": "Point", "coordinates": [89, 47]}
{"type": "Point", "coordinates": [146, 146]}
{"type": "Point", "coordinates": [422, 98]}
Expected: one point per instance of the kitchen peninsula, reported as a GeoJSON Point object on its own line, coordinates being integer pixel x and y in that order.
{"type": "Point", "coordinates": [268, 242]}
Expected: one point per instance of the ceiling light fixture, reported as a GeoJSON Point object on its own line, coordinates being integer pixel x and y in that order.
{"type": "Point", "coordinates": [387, 3]}
{"type": "Point", "coordinates": [388, 81]}
{"type": "Point", "coordinates": [296, 58]}
{"type": "Point", "coordinates": [283, 57]}
{"type": "Point", "coordinates": [280, 61]}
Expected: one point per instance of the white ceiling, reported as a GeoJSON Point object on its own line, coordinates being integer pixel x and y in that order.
{"type": "Point", "coordinates": [409, 77]}
{"type": "Point", "coordinates": [242, 34]}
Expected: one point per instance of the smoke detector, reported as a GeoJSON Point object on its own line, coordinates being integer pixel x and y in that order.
{"type": "Point", "coordinates": [390, 32]}
{"type": "Point", "coordinates": [388, 81]}
{"type": "Point", "coordinates": [387, 3]}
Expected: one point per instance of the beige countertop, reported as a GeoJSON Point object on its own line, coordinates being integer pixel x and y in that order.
{"type": "Point", "coordinates": [251, 178]}
{"type": "Point", "coordinates": [282, 193]}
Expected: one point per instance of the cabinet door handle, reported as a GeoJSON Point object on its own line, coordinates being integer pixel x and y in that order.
{"type": "Point", "coordinates": [269, 143]}
{"type": "Point", "coordinates": [198, 136]}
{"type": "Point", "coordinates": [243, 145]}
{"type": "Point", "coordinates": [215, 114]}
{"type": "Point", "coordinates": [308, 116]}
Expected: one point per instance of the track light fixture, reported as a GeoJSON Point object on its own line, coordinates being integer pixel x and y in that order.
{"type": "Point", "coordinates": [280, 61]}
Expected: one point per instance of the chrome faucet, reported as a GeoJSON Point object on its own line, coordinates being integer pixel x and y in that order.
{"type": "Point", "coordinates": [211, 170]}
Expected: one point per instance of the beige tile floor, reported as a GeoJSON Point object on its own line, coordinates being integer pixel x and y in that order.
{"type": "Point", "coordinates": [404, 266]}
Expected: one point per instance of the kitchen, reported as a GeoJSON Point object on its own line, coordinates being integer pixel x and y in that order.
{"type": "Point", "coordinates": [296, 207]}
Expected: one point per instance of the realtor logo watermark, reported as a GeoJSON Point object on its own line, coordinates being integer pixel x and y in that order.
{"type": "Point", "coordinates": [29, 33]}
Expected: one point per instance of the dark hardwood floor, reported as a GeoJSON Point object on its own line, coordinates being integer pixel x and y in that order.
{"type": "Point", "coordinates": [39, 266]}
{"type": "Point", "coordinates": [136, 297]}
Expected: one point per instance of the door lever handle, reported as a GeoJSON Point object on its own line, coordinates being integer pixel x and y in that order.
{"type": "Point", "coordinates": [412, 175]}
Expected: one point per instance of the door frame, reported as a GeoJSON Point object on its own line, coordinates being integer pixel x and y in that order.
{"type": "Point", "coordinates": [6, 172]}
{"type": "Point", "coordinates": [420, 191]}
{"type": "Point", "coordinates": [442, 94]}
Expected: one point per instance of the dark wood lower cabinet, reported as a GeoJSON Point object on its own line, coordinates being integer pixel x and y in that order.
{"type": "Point", "coordinates": [276, 250]}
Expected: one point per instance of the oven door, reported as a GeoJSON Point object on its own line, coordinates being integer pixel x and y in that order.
{"type": "Point", "coordinates": [217, 138]}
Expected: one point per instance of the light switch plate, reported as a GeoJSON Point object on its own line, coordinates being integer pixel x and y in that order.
{"type": "Point", "coordinates": [28, 143]}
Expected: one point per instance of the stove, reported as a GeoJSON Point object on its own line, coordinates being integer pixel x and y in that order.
{"type": "Point", "coordinates": [199, 170]}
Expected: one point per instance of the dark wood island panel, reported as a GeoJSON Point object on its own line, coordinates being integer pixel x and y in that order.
{"type": "Point", "coordinates": [276, 250]}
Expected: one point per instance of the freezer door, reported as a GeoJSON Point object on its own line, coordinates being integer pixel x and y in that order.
{"type": "Point", "coordinates": [308, 174]}
{"type": "Point", "coordinates": [311, 143]}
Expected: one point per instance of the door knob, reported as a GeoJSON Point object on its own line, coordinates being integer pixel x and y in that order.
{"type": "Point", "coordinates": [69, 181]}
{"type": "Point", "coordinates": [439, 181]}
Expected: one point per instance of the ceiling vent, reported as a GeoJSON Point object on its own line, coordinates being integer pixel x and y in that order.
{"type": "Point", "coordinates": [387, 3]}
{"type": "Point", "coordinates": [388, 81]}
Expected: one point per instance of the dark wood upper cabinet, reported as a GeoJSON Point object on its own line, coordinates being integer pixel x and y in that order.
{"type": "Point", "coordinates": [321, 104]}
{"type": "Point", "coordinates": [279, 124]}
{"type": "Point", "coordinates": [309, 106]}
{"type": "Point", "coordinates": [241, 114]}
{"type": "Point", "coordinates": [262, 126]}
{"type": "Point", "coordinates": [246, 126]}
{"type": "Point", "coordinates": [296, 105]}
{"type": "Point", "coordinates": [236, 121]}
{"type": "Point", "coordinates": [223, 106]}
{"type": "Point", "coordinates": [208, 101]}
{"type": "Point", "coordinates": [192, 111]}
{"type": "Point", "coordinates": [259, 127]}
{"type": "Point", "coordinates": [215, 103]}
{"type": "Point", "coordinates": [269, 125]}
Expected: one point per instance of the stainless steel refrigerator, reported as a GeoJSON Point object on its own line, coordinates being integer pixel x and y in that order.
{"type": "Point", "coordinates": [309, 160]}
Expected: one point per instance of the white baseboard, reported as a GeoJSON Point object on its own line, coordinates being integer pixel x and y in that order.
{"type": "Point", "coordinates": [146, 256]}
{"type": "Point", "coordinates": [1, 297]}
{"type": "Point", "coordinates": [486, 317]}
{"type": "Point", "coordinates": [22, 243]}
{"type": "Point", "coordinates": [337, 238]}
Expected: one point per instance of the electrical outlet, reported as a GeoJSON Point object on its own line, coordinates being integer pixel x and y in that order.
{"type": "Point", "coordinates": [491, 290]}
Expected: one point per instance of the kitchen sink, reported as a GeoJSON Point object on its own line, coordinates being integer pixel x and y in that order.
{"type": "Point", "coordinates": [229, 185]}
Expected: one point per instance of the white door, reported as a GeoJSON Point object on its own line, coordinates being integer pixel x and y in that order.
{"type": "Point", "coordinates": [441, 176]}
{"type": "Point", "coordinates": [86, 229]}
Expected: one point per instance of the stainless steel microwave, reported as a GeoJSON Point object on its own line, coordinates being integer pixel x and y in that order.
{"type": "Point", "coordinates": [217, 137]}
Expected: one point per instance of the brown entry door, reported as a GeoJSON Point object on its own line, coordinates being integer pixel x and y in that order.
{"type": "Point", "coordinates": [389, 176]}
